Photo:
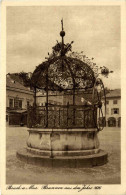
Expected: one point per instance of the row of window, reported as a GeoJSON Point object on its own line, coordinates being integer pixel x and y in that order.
{"type": "Point", "coordinates": [113, 111]}
{"type": "Point", "coordinates": [50, 93]}
{"type": "Point", "coordinates": [114, 102]}
{"type": "Point", "coordinates": [16, 103]}
{"type": "Point", "coordinates": [51, 102]}
{"type": "Point", "coordinates": [54, 102]}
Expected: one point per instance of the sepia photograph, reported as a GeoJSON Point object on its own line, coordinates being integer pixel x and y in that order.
{"type": "Point", "coordinates": [63, 96]}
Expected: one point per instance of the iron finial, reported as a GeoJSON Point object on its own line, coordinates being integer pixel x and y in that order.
{"type": "Point", "coordinates": [62, 33]}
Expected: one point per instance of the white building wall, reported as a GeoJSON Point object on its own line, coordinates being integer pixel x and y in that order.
{"type": "Point", "coordinates": [111, 106]}
{"type": "Point", "coordinates": [53, 98]}
{"type": "Point", "coordinates": [23, 96]}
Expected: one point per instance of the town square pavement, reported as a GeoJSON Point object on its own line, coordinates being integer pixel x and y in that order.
{"type": "Point", "coordinates": [18, 172]}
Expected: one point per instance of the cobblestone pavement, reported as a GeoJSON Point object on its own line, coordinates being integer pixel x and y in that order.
{"type": "Point", "coordinates": [18, 172]}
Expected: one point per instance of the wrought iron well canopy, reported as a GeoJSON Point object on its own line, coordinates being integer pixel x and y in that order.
{"type": "Point", "coordinates": [63, 73]}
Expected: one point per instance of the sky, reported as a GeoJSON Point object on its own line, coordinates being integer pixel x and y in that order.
{"type": "Point", "coordinates": [32, 31]}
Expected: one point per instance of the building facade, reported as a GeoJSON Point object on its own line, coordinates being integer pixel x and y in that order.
{"type": "Point", "coordinates": [18, 98]}
{"type": "Point", "coordinates": [113, 108]}
{"type": "Point", "coordinates": [55, 98]}
{"type": "Point", "coordinates": [60, 98]}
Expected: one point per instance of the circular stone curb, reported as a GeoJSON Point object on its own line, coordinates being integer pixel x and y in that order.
{"type": "Point", "coordinates": [67, 153]}
{"type": "Point", "coordinates": [98, 159]}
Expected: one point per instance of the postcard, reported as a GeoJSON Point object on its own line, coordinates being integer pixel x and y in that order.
{"type": "Point", "coordinates": [62, 104]}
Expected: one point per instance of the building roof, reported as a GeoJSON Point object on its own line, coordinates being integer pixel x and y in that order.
{"type": "Point", "coordinates": [16, 77]}
{"type": "Point", "coordinates": [114, 93]}
{"type": "Point", "coordinates": [12, 84]}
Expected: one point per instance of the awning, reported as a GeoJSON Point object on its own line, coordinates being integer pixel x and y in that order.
{"type": "Point", "coordinates": [17, 111]}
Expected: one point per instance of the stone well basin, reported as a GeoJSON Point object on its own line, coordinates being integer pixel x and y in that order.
{"type": "Point", "coordinates": [63, 142]}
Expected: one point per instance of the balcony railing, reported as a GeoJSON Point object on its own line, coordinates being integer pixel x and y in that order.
{"type": "Point", "coordinates": [65, 116]}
